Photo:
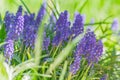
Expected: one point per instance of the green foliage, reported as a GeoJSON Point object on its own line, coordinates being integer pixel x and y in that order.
{"type": "Point", "coordinates": [3, 72]}
{"type": "Point", "coordinates": [32, 64]}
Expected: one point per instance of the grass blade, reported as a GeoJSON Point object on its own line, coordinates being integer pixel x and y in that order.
{"type": "Point", "coordinates": [25, 6]}
{"type": "Point", "coordinates": [63, 71]}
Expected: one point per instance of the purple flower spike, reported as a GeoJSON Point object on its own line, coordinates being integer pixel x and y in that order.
{"type": "Point", "coordinates": [89, 48]}
{"type": "Point", "coordinates": [78, 26]}
{"type": "Point", "coordinates": [115, 24]}
{"type": "Point", "coordinates": [104, 77]}
{"type": "Point", "coordinates": [19, 12]}
{"type": "Point", "coordinates": [46, 43]}
{"type": "Point", "coordinates": [62, 23]}
{"type": "Point", "coordinates": [16, 29]}
{"type": "Point", "coordinates": [19, 22]}
{"type": "Point", "coordinates": [92, 21]}
{"type": "Point", "coordinates": [52, 18]}
{"type": "Point", "coordinates": [9, 21]}
{"type": "Point", "coordinates": [83, 17]}
{"type": "Point", "coordinates": [62, 29]}
{"type": "Point", "coordinates": [31, 26]}
{"type": "Point", "coordinates": [40, 15]}
{"type": "Point", "coordinates": [9, 49]}
{"type": "Point", "coordinates": [29, 32]}
{"type": "Point", "coordinates": [14, 24]}
{"type": "Point", "coordinates": [75, 65]}
{"type": "Point", "coordinates": [19, 25]}
{"type": "Point", "coordinates": [99, 48]}
{"type": "Point", "coordinates": [96, 53]}
{"type": "Point", "coordinates": [56, 39]}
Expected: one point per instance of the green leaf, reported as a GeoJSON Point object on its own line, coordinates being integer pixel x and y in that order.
{"type": "Point", "coordinates": [2, 33]}
{"type": "Point", "coordinates": [3, 72]}
{"type": "Point", "coordinates": [63, 71]}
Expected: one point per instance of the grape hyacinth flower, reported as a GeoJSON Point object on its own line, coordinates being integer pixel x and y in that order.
{"type": "Point", "coordinates": [77, 25]}
{"type": "Point", "coordinates": [89, 48]}
{"type": "Point", "coordinates": [104, 77]}
{"type": "Point", "coordinates": [57, 39]}
{"type": "Point", "coordinates": [46, 42]}
{"type": "Point", "coordinates": [9, 49]}
{"type": "Point", "coordinates": [40, 15]}
{"type": "Point", "coordinates": [17, 28]}
{"type": "Point", "coordinates": [75, 66]}
{"type": "Point", "coordinates": [19, 12]}
{"type": "Point", "coordinates": [52, 18]}
{"type": "Point", "coordinates": [83, 18]}
{"type": "Point", "coordinates": [92, 21]}
{"type": "Point", "coordinates": [115, 24]}
{"type": "Point", "coordinates": [62, 23]}
{"type": "Point", "coordinates": [14, 30]}
{"type": "Point", "coordinates": [96, 52]}
{"type": "Point", "coordinates": [9, 20]}
{"type": "Point", "coordinates": [62, 29]}
{"type": "Point", "coordinates": [29, 32]}
{"type": "Point", "coordinates": [31, 26]}
{"type": "Point", "coordinates": [19, 25]}
{"type": "Point", "coordinates": [19, 22]}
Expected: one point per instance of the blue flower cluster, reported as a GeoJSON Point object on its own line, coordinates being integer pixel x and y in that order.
{"type": "Point", "coordinates": [40, 15]}
{"type": "Point", "coordinates": [29, 30]}
{"type": "Point", "coordinates": [89, 48]}
{"type": "Point", "coordinates": [77, 27]}
{"type": "Point", "coordinates": [9, 20]}
{"type": "Point", "coordinates": [62, 29]}
{"type": "Point", "coordinates": [14, 27]}
{"type": "Point", "coordinates": [23, 27]}
{"type": "Point", "coordinates": [115, 25]}
{"type": "Point", "coordinates": [26, 26]}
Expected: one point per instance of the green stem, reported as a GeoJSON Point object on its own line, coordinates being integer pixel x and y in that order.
{"type": "Point", "coordinates": [97, 23]}
{"type": "Point", "coordinates": [63, 71]}
{"type": "Point", "coordinates": [56, 50]}
{"type": "Point", "coordinates": [52, 11]}
{"type": "Point", "coordinates": [25, 6]}
{"type": "Point", "coordinates": [86, 72]}
{"type": "Point", "coordinates": [83, 5]}
{"type": "Point", "coordinates": [55, 7]}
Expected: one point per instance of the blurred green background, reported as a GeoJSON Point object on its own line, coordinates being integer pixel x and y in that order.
{"type": "Point", "coordinates": [97, 9]}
